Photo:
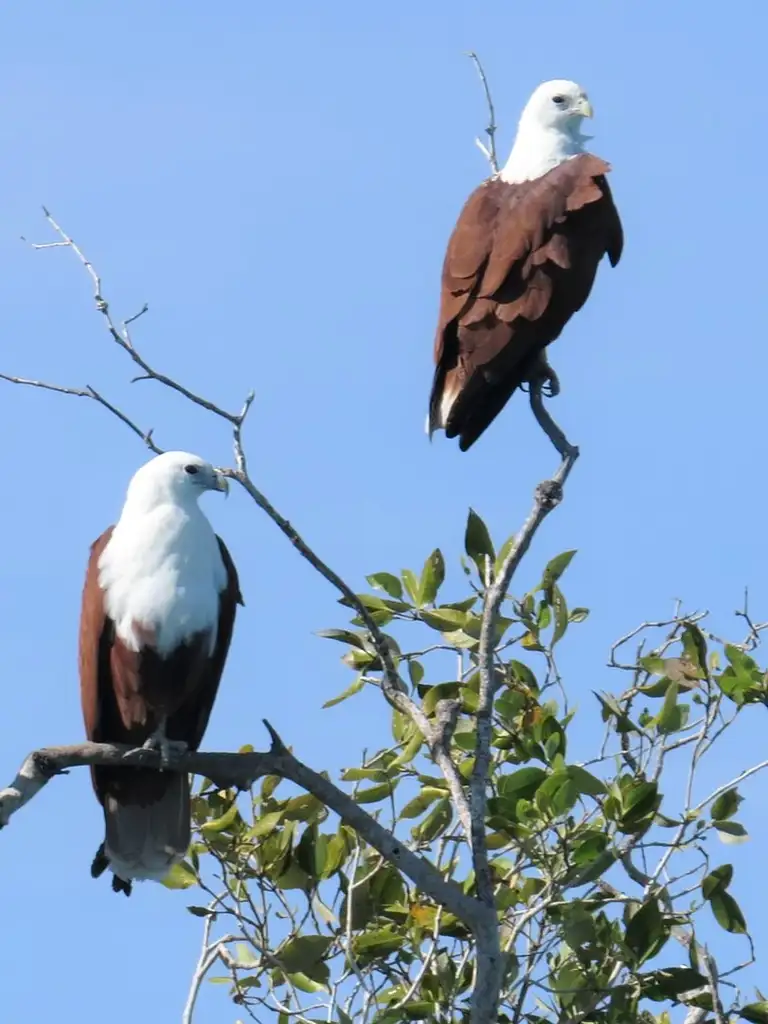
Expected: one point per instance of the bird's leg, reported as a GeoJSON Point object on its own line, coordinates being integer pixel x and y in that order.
{"type": "Point", "coordinates": [543, 374]}
{"type": "Point", "coordinates": [550, 492]}
{"type": "Point", "coordinates": [170, 750]}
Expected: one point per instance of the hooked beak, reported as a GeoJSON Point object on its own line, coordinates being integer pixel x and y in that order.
{"type": "Point", "coordinates": [585, 108]}
{"type": "Point", "coordinates": [220, 482]}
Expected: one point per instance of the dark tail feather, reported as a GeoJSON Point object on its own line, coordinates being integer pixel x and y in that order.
{"type": "Point", "coordinates": [144, 842]}
{"type": "Point", "coordinates": [477, 407]}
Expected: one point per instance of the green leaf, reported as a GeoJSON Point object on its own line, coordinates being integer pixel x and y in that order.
{"type": "Point", "coordinates": [653, 664]}
{"type": "Point", "coordinates": [668, 720]}
{"type": "Point", "coordinates": [578, 614]}
{"type": "Point", "coordinates": [435, 823]}
{"type": "Point", "coordinates": [344, 636]}
{"type": "Point", "coordinates": [265, 824]}
{"type": "Point", "coordinates": [670, 982]}
{"type": "Point", "coordinates": [416, 807]}
{"type": "Point", "coordinates": [336, 853]}
{"type": "Point", "coordinates": [432, 577]}
{"type": "Point", "coordinates": [302, 981]}
{"type": "Point", "coordinates": [181, 876]}
{"type": "Point", "coordinates": [201, 911]}
{"type": "Point", "coordinates": [585, 781]}
{"type": "Point", "coordinates": [521, 784]}
{"type": "Point", "coordinates": [409, 751]}
{"type": "Point", "coordinates": [350, 691]}
{"type": "Point", "coordinates": [440, 691]}
{"type": "Point", "coordinates": [226, 821]}
{"type": "Point", "coordinates": [695, 649]}
{"type": "Point", "coordinates": [731, 832]}
{"type": "Point", "coordinates": [504, 550]}
{"type": "Point", "coordinates": [378, 943]}
{"type": "Point", "coordinates": [387, 582]}
{"type": "Point", "coordinates": [444, 619]}
{"type": "Point", "coordinates": [520, 673]}
{"type": "Point", "coordinates": [478, 543]}
{"type": "Point", "coordinates": [756, 1013]}
{"type": "Point", "coordinates": [590, 848]}
{"type": "Point", "coordinates": [726, 805]}
{"type": "Point", "coordinates": [555, 569]}
{"type": "Point", "coordinates": [646, 933]}
{"type": "Point", "coordinates": [411, 584]}
{"type": "Point", "coordinates": [415, 671]}
{"type": "Point", "coordinates": [727, 913]}
{"type": "Point", "coordinates": [358, 774]}
{"type": "Point", "coordinates": [560, 609]}
{"type": "Point", "coordinates": [717, 881]}
{"type": "Point", "coordinates": [373, 794]}
{"type": "Point", "coordinates": [557, 794]}
{"type": "Point", "coordinates": [304, 808]}
{"type": "Point", "coordinates": [302, 953]}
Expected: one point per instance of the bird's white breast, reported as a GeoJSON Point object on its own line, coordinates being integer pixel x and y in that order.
{"type": "Point", "coordinates": [163, 571]}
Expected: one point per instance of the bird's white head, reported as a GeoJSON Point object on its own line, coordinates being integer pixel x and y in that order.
{"type": "Point", "coordinates": [549, 130]}
{"type": "Point", "coordinates": [559, 106]}
{"type": "Point", "coordinates": [177, 478]}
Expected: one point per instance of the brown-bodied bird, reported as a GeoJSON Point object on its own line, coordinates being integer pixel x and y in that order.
{"type": "Point", "coordinates": [521, 261]}
{"type": "Point", "coordinates": [158, 612]}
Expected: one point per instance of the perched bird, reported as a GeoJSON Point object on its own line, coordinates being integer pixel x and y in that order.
{"type": "Point", "coordinates": [158, 611]}
{"type": "Point", "coordinates": [520, 262]}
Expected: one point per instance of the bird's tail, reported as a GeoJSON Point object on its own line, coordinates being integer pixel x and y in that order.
{"type": "Point", "coordinates": [144, 842]}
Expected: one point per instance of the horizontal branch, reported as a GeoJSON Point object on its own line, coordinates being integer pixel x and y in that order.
{"type": "Point", "coordinates": [240, 770]}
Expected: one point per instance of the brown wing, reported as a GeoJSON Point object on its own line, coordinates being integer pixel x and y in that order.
{"type": "Point", "coordinates": [124, 693]}
{"type": "Point", "coordinates": [521, 261]}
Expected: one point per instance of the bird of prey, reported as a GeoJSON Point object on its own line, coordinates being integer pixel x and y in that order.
{"type": "Point", "coordinates": [521, 261]}
{"type": "Point", "coordinates": [158, 610]}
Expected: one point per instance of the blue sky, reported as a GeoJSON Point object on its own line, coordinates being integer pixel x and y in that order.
{"type": "Point", "coordinates": [278, 183]}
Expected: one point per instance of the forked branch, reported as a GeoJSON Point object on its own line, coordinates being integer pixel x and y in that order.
{"type": "Point", "coordinates": [240, 771]}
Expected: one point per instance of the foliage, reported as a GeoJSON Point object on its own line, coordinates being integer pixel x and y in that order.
{"type": "Point", "coordinates": [605, 887]}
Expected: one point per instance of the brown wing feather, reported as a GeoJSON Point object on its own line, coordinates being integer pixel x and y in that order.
{"type": "Point", "coordinates": [521, 261]}
{"type": "Point", "coordinates": [124, 693]}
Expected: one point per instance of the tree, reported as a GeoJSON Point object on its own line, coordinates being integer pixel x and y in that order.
{"type": "Point", "coordinates": [473, 870]}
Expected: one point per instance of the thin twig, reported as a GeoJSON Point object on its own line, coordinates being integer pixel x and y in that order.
{"type": "Point", "coordinates": [89, 392]}
{"type": "Point", "coordinates": [121, 335]}
{"type": "Point", "coordinates": [489, 151]}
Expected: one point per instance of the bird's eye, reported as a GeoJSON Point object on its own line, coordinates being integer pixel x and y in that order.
{"type": "Point", "coordinates": [559, 100]}
{"type": "Point", "coordinates": [191, 470]}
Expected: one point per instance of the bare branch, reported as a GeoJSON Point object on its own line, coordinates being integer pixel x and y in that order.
{"type": "Point", "coordinates": [208, 956]}
{"type": "Point", "coordinates": [89, 392]}
{"type": "Point", "coordinates": [240, 770]}
{"type": "Point", "coordinates": [121, 335]}
{"type": "Point", "coordinates": [489, 151]}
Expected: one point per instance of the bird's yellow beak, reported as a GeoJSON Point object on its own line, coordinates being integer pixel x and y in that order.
{"type": "Point", "coordinates": [585, 108]}
{"type": "Point", "coordinates": [221, 482]}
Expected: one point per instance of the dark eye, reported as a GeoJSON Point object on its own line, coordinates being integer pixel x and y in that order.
{"type": "Point", "coordinates": [559, 100]}
{"type": "Point", "coordinates": [191, 470]}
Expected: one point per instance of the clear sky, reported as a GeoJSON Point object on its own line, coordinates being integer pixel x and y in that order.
{"type": "Point", "coordinates": [278, 182]}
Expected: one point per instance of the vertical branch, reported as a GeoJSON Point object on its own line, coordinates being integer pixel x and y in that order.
{"type": "Point", "coordinates": [489, 151]}
{"type": "Point", "coordinates": [547, 496]}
